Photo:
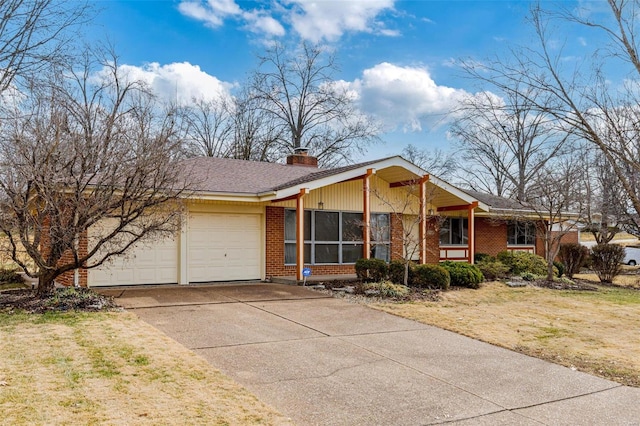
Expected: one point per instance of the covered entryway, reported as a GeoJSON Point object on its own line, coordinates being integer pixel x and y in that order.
{"type": "Point", "coordinates": [224, 247]}
{"type": "Point", "coordinates": [154, 262]}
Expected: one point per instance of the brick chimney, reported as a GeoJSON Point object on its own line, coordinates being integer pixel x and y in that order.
{"type": "Point", "coordinates": [300, 157]}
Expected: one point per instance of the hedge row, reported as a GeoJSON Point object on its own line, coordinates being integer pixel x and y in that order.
{"type": "Point", "coordinates": [422, 276]}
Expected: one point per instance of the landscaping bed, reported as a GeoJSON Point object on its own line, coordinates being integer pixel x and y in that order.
{"type": "Point", "coordinates": [63, 299]}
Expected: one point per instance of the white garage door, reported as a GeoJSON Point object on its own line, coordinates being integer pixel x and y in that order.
{"type": "Point", "coordinates": [147, 263]}
{"type": "Point", "coordinates": [224, 247]}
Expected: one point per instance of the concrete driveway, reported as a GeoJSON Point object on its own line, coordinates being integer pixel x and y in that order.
{"type": "Point", "coordinates": [323, 361]}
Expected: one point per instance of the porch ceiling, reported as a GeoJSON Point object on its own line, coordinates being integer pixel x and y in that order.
{"type": "Point", "coordinates": [439, 193]}
{"type": "Point", "coordinates": [396, 174]}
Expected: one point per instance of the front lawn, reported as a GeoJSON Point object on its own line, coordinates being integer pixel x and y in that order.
{"type": "Point", "coordinates": [112, 368]}
{"type": "Point", "coordinates": [592, 331]}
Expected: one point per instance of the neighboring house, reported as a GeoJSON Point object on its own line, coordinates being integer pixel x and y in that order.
{"type": "Point", "coordinates": [249, 220]}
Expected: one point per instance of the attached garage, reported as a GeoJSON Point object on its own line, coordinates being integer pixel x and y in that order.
{"type": "Point", "coordinates": [150, 263]}
{"type": "Point", "coordinates": [224, 247]}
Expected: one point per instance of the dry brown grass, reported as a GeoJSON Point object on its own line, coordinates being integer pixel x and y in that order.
{"type": "Point", "coordinates": [594, 331]}
{"type": "Point", "coordinates": [629, 277]}
{"type": "Point", "coordinates": [625, 237]}
{"type": "Point", "coordinates": [112, 368]}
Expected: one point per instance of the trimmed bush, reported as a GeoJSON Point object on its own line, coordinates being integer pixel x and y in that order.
{"type": "Point", "coordinates": [396, 271]}
{"type": "Point", "coordinates": [481, 257]}
{"type": "Point", "coordinates": [573, 256]}
{"type": "Point", "coordinates": [430, 276]}
{"type": "Point", "coordinates": [10, 276]}
{"type": "Point", "coordinates": [463, 274]}
{"type": "Point", "coordinates": [388, 289]}
{"type": "Point", "coordinates": [560, 267]}
{"type": "Point", "coordinates": [371, 270]}
{"type": "Point", "coordinates": [607, 261]}
{"type": "Point", "coordinates": [520, 262]}
{"type": "Point", "coordinates": [492, 269]}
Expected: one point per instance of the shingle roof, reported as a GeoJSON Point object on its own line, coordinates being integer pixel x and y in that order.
{"type": "Point", "coordinates": [210, 174]}
{"type": "Point", "coordinates": [496, 202]}
{"type": "Point", "coordinates": [322, 173]}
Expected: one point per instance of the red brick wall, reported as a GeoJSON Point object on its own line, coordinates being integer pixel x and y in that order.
{"type": "Point", "coordinates": [274, 250]}
{"type": "Point", "coordinates": [432, 239]}
{"type": "Point", "coordinates": [491, 236]}
{"type": "Point", "coordinates": [66, 279]}
{"type": "Point", "coordinates": [396, 233]}
{"type": "Point", "coordinates": [274, 235]}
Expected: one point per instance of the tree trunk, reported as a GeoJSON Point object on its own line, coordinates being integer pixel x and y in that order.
{"type": "Point", "coordinates": [46, 284]}
{"type": "Point", "coordinates": [405, 280]}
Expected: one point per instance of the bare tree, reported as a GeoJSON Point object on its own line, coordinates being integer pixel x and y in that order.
{"type": "Point", "coordinates": [208, 128]}
{"type": "Point", "coordinates": [505, 141]}
{"type": "Point", "coordinates": [605, 204]}
{"type": "Point", "coordinates": [581, 96]}
{"type": "Point", "coordinates": [436, 162]}
{"type": "Point", "coordinates": [85, 151]}
{"type": "Point", "coordinates": [256, 134]}
{"type": "Point", "coordinates": [403, 205]}
{"type": "Point", "coordinates": [555, 200]}
{"type": "Point", "coordinates": [299, 92]}
{"type": "Point", "coordinates": [34, 33]}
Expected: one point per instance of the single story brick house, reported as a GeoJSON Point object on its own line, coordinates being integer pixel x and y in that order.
{"type": "Point", "coordinates": [250, 220]}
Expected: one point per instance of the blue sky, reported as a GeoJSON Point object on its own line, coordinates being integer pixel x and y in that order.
{"type": "Point", "coordinates": [400, 56]}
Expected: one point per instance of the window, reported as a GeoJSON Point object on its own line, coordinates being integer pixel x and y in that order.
{"type": "Point", "coordinates": [454, 231]}
{"type": "Point", "coordinates": [380, 236]}
{"type": "Point", "coordinates": [335, 237]}
{"type": "Point", "coordinates": [521, 234]}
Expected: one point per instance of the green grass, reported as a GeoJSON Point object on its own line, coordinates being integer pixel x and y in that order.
{"type": "Point", "coordinates": [618, 296]}
{"type": "Point", "coordinates": [11, 286]}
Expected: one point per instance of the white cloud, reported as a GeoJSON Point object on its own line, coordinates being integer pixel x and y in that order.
{"type": "Point", "coordinates": [179, 81]}
{"type": "Point", "coordinates": [405, 97]}
{"type": "Point", "coordinates": [261, 23]}
{"type": "Point", "coordinates": [197, 11]}
{"type": "Point", "coordinates": [312, 19]}
{"type": "Point", "coordinates": [317, 20]}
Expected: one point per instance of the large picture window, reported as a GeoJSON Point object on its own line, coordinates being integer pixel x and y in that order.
{"type": "Point", "coordinates": [521, 234]}
{"type": "Point", "coordinates": [454, 231]}
{"type": "Point", "coordinates": [335, 237]}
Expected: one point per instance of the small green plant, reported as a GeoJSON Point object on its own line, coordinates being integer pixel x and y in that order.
{"type": "Point", "coordinates": [431, 276]}
{"type": "Point", "coordinates": [397, 270]}
{"type": "Point", "coordinates": [607, 261]}
{"type": "Point", "coordinates": [481, 257]}
{"type": "Point", "coordinates": [10, 276]}
{"type": "Point", "coordinates": [560, 267]}
{"type": "Point", "coordinates": [520, 262]}
{"type": "Point", "coordinates": [493, 269]}
{"type": "Point", "coordinates": [389, 289]}
{"type": "Point", "coordinates": [528, 276]}
{"type": "Point", "coordinates": [573, 256]}
{"type": "Point", "coordinates": [371, 270]}
{"type": "Point", "coordinates": [463, 274]}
